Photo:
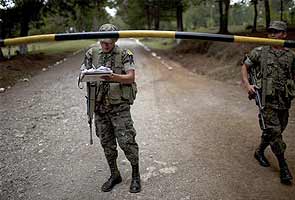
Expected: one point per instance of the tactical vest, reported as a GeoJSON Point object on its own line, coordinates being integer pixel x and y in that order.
{"type": "Point", "coordinates": [113, 92]}
{"type": "Point", "coordinates": [276, 75]}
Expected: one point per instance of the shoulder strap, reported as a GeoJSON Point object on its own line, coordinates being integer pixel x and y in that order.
{"type": "Point", "coordinates": [291, 56]}
{"type": "Point", "coordinates": [95, 55]}
{"type": "Point", "coordinates": [118, 58]}
{"type": "Point", "coordinates": [263, 64]}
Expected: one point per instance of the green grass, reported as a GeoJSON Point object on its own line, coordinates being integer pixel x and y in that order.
{"type": "Point", "coordinates": [52, 47]}
{"type": "Point", "coordinates": [159, 43]}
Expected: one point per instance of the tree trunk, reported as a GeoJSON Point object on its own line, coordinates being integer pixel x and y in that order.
{"type": "Point", "coordinates": [223, 26]}
{"type": "Point", "coordinates": [94, 20]}
{"type": "Point", "coordinates": [1, 54]}
{"type": "Point", "coordinates": [267, 13]}
{"type": "Point", "coordinates": [179, 10]}
{"type": "Point", "coordinates": [23, 48]}
{"type": "Point", "coordinates": [157, 17]}
{"type": "Point", "coordinates": [282, 10]}
{"type": "Point", "coordinates": [220, 15]}
{"type": "Point", "coordinates": [225, 16]}
{"type": "Point", "coordinates": [148, 14]}
{"type": "Point", "coordinates": [255, 17]}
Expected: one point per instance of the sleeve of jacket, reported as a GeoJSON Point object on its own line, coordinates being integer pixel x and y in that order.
{"type": "Point", "coordinates": [87, 62]}
{"type": "Point", "coordinates": [253, 60]}
{"type": "Point", "coordinates": [128, 60]}
{"type": "Point", "coordinates": [293, 65]}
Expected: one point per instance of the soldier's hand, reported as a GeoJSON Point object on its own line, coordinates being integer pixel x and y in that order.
{"type": "Point", "coordinates": [251, 91]}
{"type": "Point", "coordinates": [107, 77]}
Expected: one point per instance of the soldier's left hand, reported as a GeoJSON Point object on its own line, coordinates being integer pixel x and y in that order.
{"type": "Point", "coordinates": [108, 77]}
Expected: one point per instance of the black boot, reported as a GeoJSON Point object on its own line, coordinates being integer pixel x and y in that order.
{"type": "Point", "coordinates": [259, 154]}
{"type": "Point", "coordinates": [135, 185]}
{"type": "Point", "coordinates": [285, 174]}
{"type": "Point", "coordinates": [114, 179]}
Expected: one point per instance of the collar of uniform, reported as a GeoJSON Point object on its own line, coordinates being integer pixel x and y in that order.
{"type": "Point", "coordinates": [279, 52]}
{"type": "Point", "coordinates": [284, 49]}
{"type": "Point", "coordinates": [115, 50]}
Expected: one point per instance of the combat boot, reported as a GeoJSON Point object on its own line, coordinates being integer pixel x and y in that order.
{"type": "Point", "coordinates": [135, 185]}
{"type": "Point", "coordinates": [259, 154]}
{"type": "Point", "coordinates": [285, 174]}
{"type": "Point", "coordinates": [114, 179]}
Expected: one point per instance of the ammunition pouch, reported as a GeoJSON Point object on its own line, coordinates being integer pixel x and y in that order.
{"type": "Point", "coordinates": [115, 93]}
{"type": "Point", "coordinates": [129, 92]}
{"type": "Point", "coordinates": [118, 93]}
{"type": "Point", "coordinates": [269, 87]}
{"type": "Point", "coordinates": [290, 89]}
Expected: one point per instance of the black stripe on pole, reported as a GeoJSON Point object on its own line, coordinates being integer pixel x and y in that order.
{"type": "Point", "coordinates": [204, 36]}
{"type": "Point", "coordinates": [289, 43]}
{"type": "Point", "coordinates": [86, 35]}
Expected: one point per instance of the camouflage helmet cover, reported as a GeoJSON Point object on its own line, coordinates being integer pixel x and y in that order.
{"type": "Point", "coordinates": [108, 27]}
{"type": "Point", "coordinates": [278, 25]}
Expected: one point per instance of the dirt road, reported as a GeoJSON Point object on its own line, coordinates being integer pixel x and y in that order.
{"type": "Point", "coordinates": [196, 139]}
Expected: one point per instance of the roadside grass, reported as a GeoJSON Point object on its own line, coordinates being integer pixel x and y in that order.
{"type": "Point", "coordinates": [50, 48]}
{"type": "Point", "coordinates": [159, 43]}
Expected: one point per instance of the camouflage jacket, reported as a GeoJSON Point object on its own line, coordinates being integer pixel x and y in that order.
{"type": "Point", "coordinates": [120, 61]}
{"type": "Point", "coordinates": [274, 69]}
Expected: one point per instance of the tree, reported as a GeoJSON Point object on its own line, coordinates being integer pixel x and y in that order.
{"type": "Point", "coordinates": [282, 10]}
{"type": "Point", "coordinates": [223, 14]}
{"type": "Point", "coordinates": [267, 13]}
{"type": "Point", "coordinates": [179, 11]}
{"type": "Point", "coordinates": [26, 12]}
{"type": "Point", "coordinates": [254, 3]}
{"type": "Point", "coordinates": [152, 14]}
{"type": "Point", "coordinates": [201, 14]}
{"type": "Point", "coordinates": [72, 15]}
{"type": "Point", "coordinates": [136, 15]}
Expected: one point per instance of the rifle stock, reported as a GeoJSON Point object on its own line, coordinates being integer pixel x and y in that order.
{"type": "Point", "coordinates": [91, 98]}
{"type": "Point", "coordinates": [257, 98]}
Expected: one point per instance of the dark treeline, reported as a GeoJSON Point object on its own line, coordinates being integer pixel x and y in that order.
{"type": "Point", "coordinates": [28, 17]}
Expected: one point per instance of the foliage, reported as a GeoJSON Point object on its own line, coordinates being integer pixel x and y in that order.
{"type": "Point", "coordinates": [132, 13]}
{"type": "Point", "coordinates": [205, 18]}
{"type": "Point", "coordinates": [25, 17]}
{"type": "Point", "coordinates": [74, 15]}
{"type": "Point", "coordinates": [151, 14]}
{"type": "Point", "coordinates": [159, 43]}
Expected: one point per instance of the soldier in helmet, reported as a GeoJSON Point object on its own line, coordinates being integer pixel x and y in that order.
{"type": "Point", "coordinates": [115, 94]}
{"type": "Point", "coordinates": [274, 71]}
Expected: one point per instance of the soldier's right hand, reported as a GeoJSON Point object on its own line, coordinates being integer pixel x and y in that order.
{"type": "Point", "coordinates": [251, 91]}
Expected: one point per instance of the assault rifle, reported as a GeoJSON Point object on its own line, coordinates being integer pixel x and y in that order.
{"type": "Point", "coordinates": [91, 76]}
{"type": "Point", "coordinates": [257, 96]}
{"type": "Point", "coordinates": [90, 99]}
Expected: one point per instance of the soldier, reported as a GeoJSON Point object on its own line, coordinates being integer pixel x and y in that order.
{"type": "Point", "coordinates": [274, 71]}
{"type": "Point", "coordinates": [115, 94]}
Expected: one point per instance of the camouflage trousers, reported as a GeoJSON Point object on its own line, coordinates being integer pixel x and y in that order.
{"type": "Point", "coordinates": [275, 121]}
{"type": "Point", "coordinates": [114, 124]}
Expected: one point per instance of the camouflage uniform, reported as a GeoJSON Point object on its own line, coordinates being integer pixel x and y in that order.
{"type": "Point", "coordinates": [112, 113]}
{"type": "Point", "coordinates": [112, 108]}
{"type": "Point", "coordinates": [273, 67]}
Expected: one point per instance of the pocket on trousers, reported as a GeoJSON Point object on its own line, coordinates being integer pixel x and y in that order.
{"type": "Point", "coordinates": [269, 87]}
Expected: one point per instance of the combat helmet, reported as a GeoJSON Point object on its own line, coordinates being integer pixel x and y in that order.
{"type": "Point", "coordinates": [108, 27]}
{"type": "Point", "coordinates": [278, 25]}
